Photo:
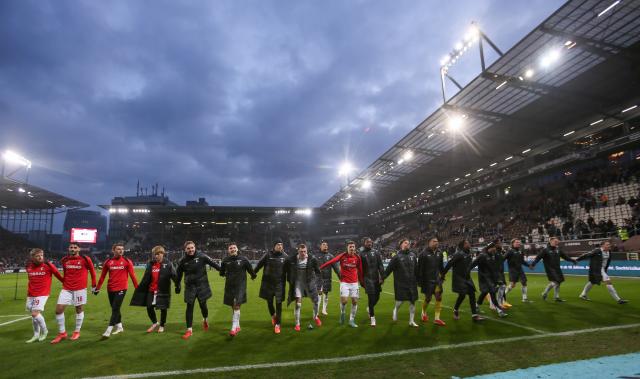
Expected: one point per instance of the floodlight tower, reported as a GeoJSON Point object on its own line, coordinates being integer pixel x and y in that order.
{"type": "Point", "coordinates": [473, 35]}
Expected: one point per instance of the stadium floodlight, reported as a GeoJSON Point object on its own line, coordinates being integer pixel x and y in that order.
{"type": "Point", "coordinates": [493, 164]}
{"type": "Point", "coordinates": [480, 170]}
{"type": "Point", "coordinates": [348, 196]}
{"type": "Point", "coordinates": [345, 169]}
{"type": "Point", "coordinates": [607, 9]}
{"type": "Point", "coordinates": [467, 175]}
{"type": "Point", "coordinates": [456, 122]}
{"type": "Point", "coordinates": [10, 156]}
{"type": "Point", "coordinates": [596, 122]}
{"type": "Point", "coordinates": [529, 73]}
{"type": "Point", "coordinates": [456, 179]}
{"type": "Point", "coordinates": [550, 58]}
{"type": "Point", "coordinates": [20, 189]}
{"type": "Point", "coordinates": [407, 155]}
{"type": "Point", "coordinates": [472, 33]}
{"type": "Point", "coordinates": [509, 157]}
{"type": "Point", "coordinates": [366, 185]}
{"type": "Point", "coordinates": [526, 151]}
{"type": "Point", "coordinates": [568, 133]}
{"type": "Point", "coordinates": [501, 85]}
{"type": "Point", "coordinates": [630, 108]}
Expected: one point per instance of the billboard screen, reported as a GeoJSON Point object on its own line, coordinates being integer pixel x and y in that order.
{"type": "Point", "coordinates": [80, 235]}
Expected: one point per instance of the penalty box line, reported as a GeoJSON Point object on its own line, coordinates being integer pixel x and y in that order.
{"type": "Point", "coordinates": [16, 320]}
{"type": "Point", "coordinates": [322, 361]}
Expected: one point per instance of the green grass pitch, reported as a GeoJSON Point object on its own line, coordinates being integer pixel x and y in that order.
{"type": "Point", "coordinates": [135, 351]}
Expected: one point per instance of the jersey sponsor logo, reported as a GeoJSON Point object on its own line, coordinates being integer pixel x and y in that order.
{"type": "Point", "coordinates": [67, 266]}
{"type": "Point", "coordinates": [37, 273]}
{"type": "Point", "coordinates": [116, 267]}
{"type": "Point", "coordinates": [155, 270]}
{"type": "Point", "coordinates": [196, 260]}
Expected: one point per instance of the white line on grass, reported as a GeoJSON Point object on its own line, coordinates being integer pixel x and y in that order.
{"type": "Point", "coordinates": [12, 315]}
{"type": "Point", "coordinates": [363, 356]}
{"type": "Point", "coordinates": [16, 320]}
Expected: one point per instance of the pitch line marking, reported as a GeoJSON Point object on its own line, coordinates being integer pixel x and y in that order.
{"type": "Point", "coordinates": [363, 356]}
{"type": "Point", "coordinates": [12, 315]}
{"type": "Point", "coordinates": [16, 320]}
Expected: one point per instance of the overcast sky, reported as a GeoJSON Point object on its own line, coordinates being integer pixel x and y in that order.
{"type": "Point", "coordinates": [240, 102]}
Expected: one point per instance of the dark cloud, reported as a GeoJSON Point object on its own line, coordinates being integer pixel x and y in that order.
{"type": "Point", "coordinates": [242, 102]}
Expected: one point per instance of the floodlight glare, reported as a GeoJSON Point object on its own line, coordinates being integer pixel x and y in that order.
{"type": "Point", "coordinates": [550, 58]}
{"type": "Point", "coordinates": [455, 123]}
{"type": "Point", "coordinates": [407, 155]}
{"type": "Point", "coordinates": [345, 169]}
{"type": "Point", "coordinates": [528, 74]}
{"type": "Point", "coordinates": [10, 156]}
{"type": "Point", "coordinates": [366, 185]}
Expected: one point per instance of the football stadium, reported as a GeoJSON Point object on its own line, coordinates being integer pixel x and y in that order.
{"type": "Point", "coordinates": [498, 238]}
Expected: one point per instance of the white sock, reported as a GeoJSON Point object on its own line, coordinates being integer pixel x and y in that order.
{"type": "Point", "coordinates": [412, 311]}
{"type": "Point", "coordinates": [395, 309]}
{"type": "Point", "coordinates": [36, 326]}
{"type": "Point", "coordinates": [60, 321]}
{"type": "Point", "coordinates": [118, 325]}
{"type": "Point", "coordinates": [556, 291]}
{"type": "Point", "coordinates": [586, 289]}
{"type": "Point", "coordinates": [316, 305]}
{"type": "Point", "coordinates": [41, 322]}
{"type": "Point", "coordinates": [547, 288]}
{"type": "Point", "coordinates": [354, 309]}
{"type": "Point", "coordinates": [235, 319]}
{"type": "Point", "coordinates": [613, 292]}
{"type": "Point", "coordinates": [325, 302]}
{"type": "Point", "coordinates": [343, 307]}
{"type": "Point", "coordinates": [509, 288]}
{"type": "Point", "coordinates": [190, 329]}
{"type": "Point", "coordinates": [296, 313]}
{"type": "Point", "coordinates": [109, 329]}
{"type": "Point", "coordinates": [524, 292]}
{"type": "Point", "coordinates": [79, 320]}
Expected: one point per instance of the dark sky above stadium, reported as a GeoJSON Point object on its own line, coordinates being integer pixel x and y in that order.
{"type": "Point", "coordinates": [240, 102]}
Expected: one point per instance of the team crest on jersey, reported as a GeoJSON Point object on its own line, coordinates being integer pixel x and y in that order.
{"type": "Point", "coordinates": [196, 260]}
{"type": "Point", "coordinates": [164, 265]}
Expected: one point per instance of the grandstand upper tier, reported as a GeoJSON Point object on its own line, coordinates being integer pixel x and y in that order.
{"type": "Point", "coordinates": [573, 77]}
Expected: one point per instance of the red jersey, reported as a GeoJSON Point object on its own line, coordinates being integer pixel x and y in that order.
{"type": "Point", "coordinates": [155, 274]}
{"type": "Point", "coordinates": [350, 267]}
{"type": "Point", "coordinates": [40, 278]}
{"type": "Point", "coordinates": [119, 269]}
{"type": "Point", "coordinates": [75, 269]}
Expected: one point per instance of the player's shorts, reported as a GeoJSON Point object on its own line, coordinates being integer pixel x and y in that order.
{"type": "Point", "coordinates": [36, 303]}
{"type": "Point", "coordinates": [605, 277]}
{"type": "Point", "coordinates": [349, 290]}
{"type": "Point", "coordinates": [74, 298]}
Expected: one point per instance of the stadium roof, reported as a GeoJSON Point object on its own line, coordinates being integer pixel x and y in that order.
{"type": "Point", "coordinates": [17, 195]}
{"type": "Point", "coordinates": [595, 78]}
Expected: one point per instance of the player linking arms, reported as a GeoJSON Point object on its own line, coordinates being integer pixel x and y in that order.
{"type": "Point", "coordinates": [235, 269]}
{"type": "Point", "coordinates": [74, 290]}
{"type": "Point", "coordinates": [599, 260]}
{"type": "Point", "coordinates": [515, 260]}
{"type": "Point", "coordinates": [302, 273]}
{"type": "Point", "coordinates": [273, 282]}
{"type": "Point", "coordinates": [550, 256]}
{"type": "Point", "coordinates": [350, 275]}
{"type": "Point", "coordinates": [39, 273]}
{"type": "Point", "coordinates": [196, 284]}
{"type": "Point", "coordinates": [324, 282]}
{"type": "Point", "coordinates": [119, 269]}
{"type": "Point", "coordinates": [462, 284]}
{"type": "Point", "coordinates": [430, 264]}
{"type": "Point", "coordinates": [404, 266]}
{"type": "Point", "coordinates": [373, 272]}
{"type": "Point", "coordinates": [154, 291]}
{"type": "Point", "coordinates": [487, 276]}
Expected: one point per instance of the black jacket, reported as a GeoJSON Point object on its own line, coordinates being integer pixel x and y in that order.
{"type": "Point", "coordinates": [372, 270]}
{"type": "Point", "coordinates": [404, 266]}
{"type": "Point", "coordinates": [597, 262]}
{"type": "Point", "coordinates": [461, 282]}
{"type": "Point", "coordinates": [274, 275]}
{"type": "Point", "coordinates": [515, 260]}
{"type": "Point", "coordinates": [550, 256]}
{"type": "Point", "coordinates": [163, 295]}
{"type": "Point", "coordinates": [430, 265]}
{"type": "Point", "coordinates": [194, 269]}
{"type": "Point", "coordinates": [487, 271]}
{"type": "Point", "coordinates": [313, 274]}
{"type": "Point", "coordinates": [235, 269]}
{"type": "Point", "coordinates": [324, 282]}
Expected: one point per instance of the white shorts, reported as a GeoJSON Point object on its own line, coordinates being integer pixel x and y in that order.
{"type": "Point", "coordinates": [36, 303]}
{"type": "Point", "coordinates": [605, 277]}
{"type": "Point", "coordinates": [349, 290]}
{"type": "Point", "coordinates": [74, 298]}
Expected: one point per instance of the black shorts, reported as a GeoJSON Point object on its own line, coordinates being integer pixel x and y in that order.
{"type": "Point", "coordinates": [518, 276]}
